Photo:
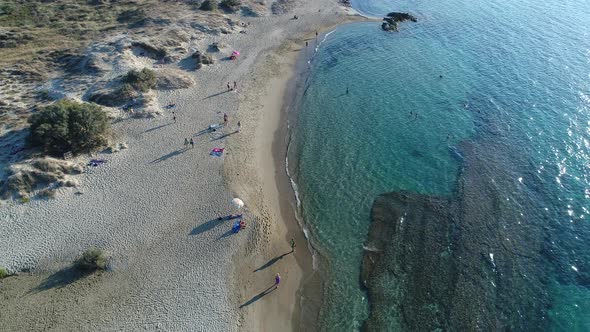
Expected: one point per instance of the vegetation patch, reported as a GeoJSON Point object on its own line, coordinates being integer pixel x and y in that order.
{"type": "Point", "coordinates": [230, 5]}
{"type": "Point", "coordinates": [132, 16]}
{"type": "Point", "coordinates": [68, 125]}
{"type": "Point", "coordinates": [3, 273]}
{"type": "Point", "coordinates": [44, 175]}
{"type": "Point", "coordinates": [91, 260]}
{"type": "Point", "coordinates": [141, 80]}
{"type": "Point", "coordinates": [39, 26]}
{"type": "Point", "coordinates": [208, 5]}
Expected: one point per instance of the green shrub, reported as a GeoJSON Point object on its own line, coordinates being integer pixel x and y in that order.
{"type": "Point", "coordinates": [3, 273]}
{"type": "Point", "coordinates": [131, 15]}
{"type": "Point", "coordinates": [208, 5]}
{"type": "Point", "coordinates": [230, 4]}
{"type": "Point", "coordinates": [69, 126]}
{"type": "Point", "coordinates": [91, 260]}
{"type": "Point", "coordinates": [141, 80]}
{"type": "Point", "coordinates": [127, 91]}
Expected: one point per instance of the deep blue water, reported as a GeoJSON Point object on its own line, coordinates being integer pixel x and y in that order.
{"type": "Point", "coordinates": [513, 73]}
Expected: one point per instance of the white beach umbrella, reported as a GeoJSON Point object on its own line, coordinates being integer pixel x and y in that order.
{"type": "Point", "coordinates": [237, 203]}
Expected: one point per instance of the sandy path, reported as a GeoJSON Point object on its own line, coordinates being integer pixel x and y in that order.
{"type": "Point", "coordinates": [153, 207]}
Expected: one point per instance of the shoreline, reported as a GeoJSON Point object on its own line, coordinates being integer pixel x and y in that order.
{"type": "Point", "coordinates": [299, 279]}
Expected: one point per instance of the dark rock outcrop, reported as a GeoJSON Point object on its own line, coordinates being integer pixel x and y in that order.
{"type": "Point", "coordinates": [345, 3]}
{"type": "Point", "coordinates": [202, 59]}
{"type": "Point", "coordinates": [390, 22]}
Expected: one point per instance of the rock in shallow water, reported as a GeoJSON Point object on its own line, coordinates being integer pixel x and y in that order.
{"type": "Point", "coordinates": [390, 22]}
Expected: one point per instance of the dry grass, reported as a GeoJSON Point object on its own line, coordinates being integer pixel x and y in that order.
{"type": "Point", "coordinates": [65, 24]}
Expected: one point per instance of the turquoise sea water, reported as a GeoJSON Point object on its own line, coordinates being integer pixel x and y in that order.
{"type": "Point", "coordinates": [515, 84]}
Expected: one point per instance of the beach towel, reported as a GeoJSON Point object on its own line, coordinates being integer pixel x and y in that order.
{"type": "Point", "coordinates": [236, 227]}
{"type": "Point", "coordinates": [217, 152]}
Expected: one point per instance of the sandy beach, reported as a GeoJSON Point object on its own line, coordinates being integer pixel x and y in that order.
{"type": "Point", "coordinates": [154, 206]}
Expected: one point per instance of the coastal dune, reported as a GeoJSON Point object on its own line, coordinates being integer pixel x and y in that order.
{"type": "Point", "coordinates": [154, 207]}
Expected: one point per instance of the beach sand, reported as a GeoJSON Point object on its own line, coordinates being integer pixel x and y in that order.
{"type": "Point", "coordinates": [154, 208]}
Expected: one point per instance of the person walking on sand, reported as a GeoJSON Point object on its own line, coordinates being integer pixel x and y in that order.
{"type": "Point", "coordinates": [235, 85]}
{"type": "Point", "coordinates": [192, 143]}
{"type": "Point", "coordinates": [185, 142]}
{"type": "Point", "coordinates": [228, 87]}
{"type": "Point", "coordinates": [277, 280]}
{"type": "Point", "coordinates": [174, 116]}
{"type": "Point", "coordinates": [239, 126]}
{"type": "Point", "coordinates": [292, 245]}
{"type": "Point", "coordinates": [224, 119]}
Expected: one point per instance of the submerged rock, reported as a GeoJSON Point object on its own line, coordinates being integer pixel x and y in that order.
{"type": "Point", "coordinates": [459, 263]}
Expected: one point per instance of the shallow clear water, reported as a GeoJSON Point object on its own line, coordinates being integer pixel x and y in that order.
{"type": "Point", "coordinates": [514, 73]}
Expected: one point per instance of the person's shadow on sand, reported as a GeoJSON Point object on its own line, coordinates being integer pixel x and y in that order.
{"type": "Point", "coordinates": [259, 296]}
{"type": "Point", "coordinates": [207, 226]}
{"type": "Point", "coordinates": [61, 279]}
{"type": "Point", "coordinates": [272, 261]}
{"type": "Point", "coordinates": [169, 155]}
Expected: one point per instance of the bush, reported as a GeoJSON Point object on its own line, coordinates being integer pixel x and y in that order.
{"type": "Point", "coordinates": [208, 5]}
{"type": "Point", "coordinates": [69, 126]}
{"type": "Point", "coordinates": [131, 15]}
{"type": "Point", "coordinates": [230, 4]}
{"type": "Point", "coordinates": [3, 273]}
{"type": "Point", "coordinates": [127, 91]}
{"type": "Point", "coordinates": [141, 80]}
{"type": "Point", "coordinates": [91, 260]}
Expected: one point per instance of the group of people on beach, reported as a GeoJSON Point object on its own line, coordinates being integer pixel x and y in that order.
{"type": "Point", "coordinates": [187, 142]}
{"type": "Point", "coordinates": [191, 141]}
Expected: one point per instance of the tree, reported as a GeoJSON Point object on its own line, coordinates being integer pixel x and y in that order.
{"type": "Point", "coordinates": [68, 125]}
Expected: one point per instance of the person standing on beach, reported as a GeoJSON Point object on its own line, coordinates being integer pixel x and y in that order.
{"type": "Point", "coordinates": [224, 119]}
{"type": "Point", "coordinates": [174, 116]}
{"type": "Point", "coordinates": [192, 143]}
{"type": "Point", "coordinates": [185, 142]}
{"type": "Point", "coordinates": [293, 245]}
{"type": "Point", "coordinates": [228, 87]}
{"type": "Point", "coordinates": [306, 44]}
{"type": "Point", "coordinates": [239, 126]}
{"type": "Point", "coordinates": [277, 280]}
{"type": "Point", "coordinates": [235, 85]}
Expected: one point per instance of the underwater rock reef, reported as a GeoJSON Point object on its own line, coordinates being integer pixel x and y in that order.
{"type": "Point", "coordinates": [468, 262]}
